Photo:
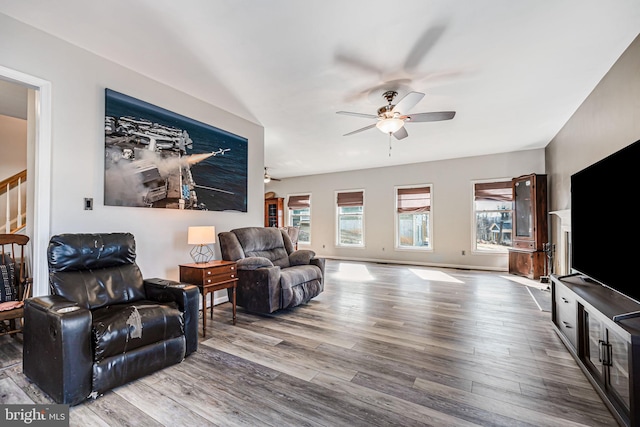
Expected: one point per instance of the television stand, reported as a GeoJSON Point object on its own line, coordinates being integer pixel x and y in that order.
{"type": "Point", "coordinates": [584, 278]}
{"type": "Point", "coordinates": [587, 320]}
{"type": "Point", "coordinates": [629, 315]}
{"type": "Point", "coordinates": [568, 275]}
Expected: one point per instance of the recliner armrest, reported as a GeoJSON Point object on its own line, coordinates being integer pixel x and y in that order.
{"type": "Point", "coordinates": [188, 299]}
{"type": "Point", "coordinates": [259, 290]}
{"type": "Point", "coordinates": [55, 303]}
{"type": "Point", "coordinates": [57, 353]}
{"type": "Point", "coordinates": [253, 263]}
{"type": "Point", "coordinates": [301, 257]}
{"type": "Point", "coordinates": [320, 263]}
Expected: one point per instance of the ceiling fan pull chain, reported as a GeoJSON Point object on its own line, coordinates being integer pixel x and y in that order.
{"type": "Point", "coordinates": [389, 144]}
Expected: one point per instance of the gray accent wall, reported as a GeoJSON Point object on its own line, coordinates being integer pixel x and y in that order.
{"type": "Point", "coordinates": [608, 120]}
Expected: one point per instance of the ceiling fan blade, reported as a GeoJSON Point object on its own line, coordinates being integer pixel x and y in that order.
{"type": "Point", "coordinates": [408, 102]}
{"type": "Point", "coordinates": [430, 117]}
{"type": "Point", "coordinates": [360, 130]}
{"type": "Point", "coordinates": [399, 85]}
{"type": "Point", "coordinates": [359, 63]}
{"type": "Point", "coordinates": [366, 116]}
{"type": "Point", "coordinates": [401, 133]}
{"type": "Point", "coordinates": [422, 46]}
{"type": "Point", "coordinates": [268, 177]}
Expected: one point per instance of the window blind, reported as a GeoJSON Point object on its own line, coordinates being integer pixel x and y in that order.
{"type": "Point", "coordinates": [498, 191]}
{"type": "Point", "coordinates": [352, 198]}
{"type": "Point", "coordinates": [414, 200]}
{"type": "Point", "coordinates": [299, 202]}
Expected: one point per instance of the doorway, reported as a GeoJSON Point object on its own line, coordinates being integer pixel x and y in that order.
{"type": "Point", "coordinates": [38, 210]}
{"type": "Point", "coordinates": [13, 161]}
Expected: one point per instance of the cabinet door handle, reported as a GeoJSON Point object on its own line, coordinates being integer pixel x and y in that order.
{"type": "Point", "coordinates": [608, 355]}
{"type": "Point", "coordinates": [601, 345]}
{"type": "Point", "coordinates": [566, 324]}
{"type": "Point", "coordinates": [566, 301]}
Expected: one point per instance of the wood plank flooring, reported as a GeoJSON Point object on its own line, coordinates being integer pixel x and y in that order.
{"type": "Point", "coordinates": [384, 345]}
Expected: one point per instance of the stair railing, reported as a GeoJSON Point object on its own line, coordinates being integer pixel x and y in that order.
{"type": "Point", "coordinates": [15, 202]}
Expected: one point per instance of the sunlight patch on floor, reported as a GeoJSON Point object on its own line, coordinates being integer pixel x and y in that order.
{"type": "Point", "coordinates": [434, 275]}
{"type": "Point", "coordinates": [526, 282]}
{"type": "Point", "coordinates": [348, 271]}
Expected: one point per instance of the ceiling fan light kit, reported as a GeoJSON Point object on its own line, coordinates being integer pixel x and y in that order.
{"type": "Point", "coordinates": [268, 178]}
{"type": "Point", "coordinates": [390, 125]}
{"type": "Point", "coordinates": [392, 118]}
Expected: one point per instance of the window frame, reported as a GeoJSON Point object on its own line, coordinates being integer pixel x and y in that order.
{"type": "Point", "coordinates": [396, 215]}
{"type": "Point", "coordinates": [337, 219]}
{"type": "Point", "coordinates": [290, 216]}
{"type": "Point", "coordinates": [474, 225]}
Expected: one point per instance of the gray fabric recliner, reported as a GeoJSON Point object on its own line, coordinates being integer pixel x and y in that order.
{"type": "Point", "coordinates": [271, 274]}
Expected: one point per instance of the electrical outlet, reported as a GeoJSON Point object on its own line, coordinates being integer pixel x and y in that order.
{"type": "Point", "coordinates": [464, 252]}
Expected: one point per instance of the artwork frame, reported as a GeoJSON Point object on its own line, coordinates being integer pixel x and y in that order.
{"type": "Point", "coordinates": [161, 159]}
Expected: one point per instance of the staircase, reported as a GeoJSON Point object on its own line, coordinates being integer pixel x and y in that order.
{"type": "Point", "coordinates": [13, 200]}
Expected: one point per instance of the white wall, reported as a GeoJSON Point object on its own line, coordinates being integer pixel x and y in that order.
{"type": "Point", "coordinates": [451, 214]}
{"type": "Point", "coordinates": [78, 79]}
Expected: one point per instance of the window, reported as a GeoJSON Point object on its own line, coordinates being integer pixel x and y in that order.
{"type": "Point", "coordinates": [493, 213]}
{"type": "Point", "coordinates": [413, 217]}
{"type": "Point", "coordinates": [350, 208]}
{"type": "Point", "coordinates": [300, 216]}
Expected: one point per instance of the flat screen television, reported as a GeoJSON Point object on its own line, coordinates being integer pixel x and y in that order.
{"type": "Point", "coordinates": [605, 221]}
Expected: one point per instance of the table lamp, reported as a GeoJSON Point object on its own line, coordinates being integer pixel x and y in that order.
{"type": "Point", "coordinates": [202, 237]}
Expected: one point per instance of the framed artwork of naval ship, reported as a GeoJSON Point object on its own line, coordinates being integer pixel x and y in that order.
{"type": "Point", "coordinates": [160, 159]}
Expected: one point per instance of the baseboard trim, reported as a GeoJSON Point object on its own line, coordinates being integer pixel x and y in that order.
{"type": "Point", "coordinates": [422, 264]}
{"type": "Point", "coordinates": [220, 300]}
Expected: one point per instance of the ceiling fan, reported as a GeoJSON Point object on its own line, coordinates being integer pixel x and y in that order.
{"type": "Point", "coordinates": [397, 78]}
{"type": "Point", "coordinates": [268, 178]}
{"type": "Point", "coordinates": [392, 118]}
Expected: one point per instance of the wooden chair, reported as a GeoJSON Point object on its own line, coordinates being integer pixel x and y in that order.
{"type": "Point", "coordinates": [13, 269]}
{"type": "Point", "coordinates": [293, 233]}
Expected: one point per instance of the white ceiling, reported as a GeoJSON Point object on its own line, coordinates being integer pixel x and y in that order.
{"type": "Point", "coordinates": [514, 71]}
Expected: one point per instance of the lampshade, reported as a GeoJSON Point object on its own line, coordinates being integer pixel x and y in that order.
{"type": "Point", "coordinates": [204, 235]}
{"type": "Point", "coordinates": [390, 125]}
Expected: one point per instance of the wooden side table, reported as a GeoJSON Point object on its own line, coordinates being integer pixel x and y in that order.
{"type": "Point", "coordinates": [210, 277]}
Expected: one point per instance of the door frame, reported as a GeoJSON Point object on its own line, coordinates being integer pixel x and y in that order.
{"type": "Point", "coordinates": [40, 176]}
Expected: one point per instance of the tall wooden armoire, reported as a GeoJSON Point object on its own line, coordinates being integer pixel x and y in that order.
{"type": "Point", "coordinates": [526, 256]}
{"type": "Point", "coordinates": [274, 212]}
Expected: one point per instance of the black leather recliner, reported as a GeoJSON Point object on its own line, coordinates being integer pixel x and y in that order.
{"type": "Point", "coordinates": [103, 325]}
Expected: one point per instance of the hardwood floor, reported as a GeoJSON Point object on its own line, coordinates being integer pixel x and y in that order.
{"type": "Point", "coordinates": [383, 345]}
